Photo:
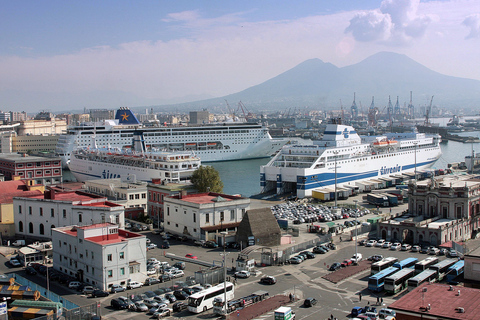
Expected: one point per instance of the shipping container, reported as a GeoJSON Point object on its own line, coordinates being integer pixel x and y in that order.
{"type": "Point", "coordinates": [378, 199]}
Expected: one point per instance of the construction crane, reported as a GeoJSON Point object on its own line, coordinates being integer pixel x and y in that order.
{"type": "Point", "coordinates": [243, 108]}
{"type": "Point", "coordinates": [411, 108]}
{"type": "Point", "coordinates": [354, 108]}
{"type": "Point", "coordinates": [230, 111]}
{"type": "Point", "coordinates": [428, 112]}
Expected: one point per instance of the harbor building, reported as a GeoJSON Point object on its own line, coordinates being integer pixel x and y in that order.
{"type": "Point", "coordinates": [158, 190]}
{"type": "Point", "coordinates": [8, 190]}
{"type": "Point", "coordinates": [36, 216]}
{"type": "Point", "coordinates": [100, 254]}
{"type": "Point", "coordinates": [41, 170]}
{"type": "Point", "coordinates": [440, 209]}
{"type": "Point", "coordinates": [203, 216]}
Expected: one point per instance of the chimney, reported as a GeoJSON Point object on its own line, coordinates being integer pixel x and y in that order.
{"type": "Point", "coordinates": [49, 194]}
{"type": "Point", "coordinates": [458, 293]}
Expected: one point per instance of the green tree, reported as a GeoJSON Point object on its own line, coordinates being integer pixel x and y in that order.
{"type": "Point", "coordinates": [206, 178]}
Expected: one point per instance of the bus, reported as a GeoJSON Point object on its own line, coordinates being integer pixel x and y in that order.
{"type": "Point", "coordinates": [377, 281]}
{"type": "Point", "coordinates": [398, 281]}
{"type": "Point", "coordinates": [455, 271]}
{"type": "Point", "coordinates": [405, 263]}
{"type": "Point", "coordinates": [427, 275]}
{"type": "Point", "coordinates": [203, 300]}
{"type": "Point", "coordinates": [382, 265]}
{"type": "Point", "coordinates": [424, 264]}
{"type": "Point", "coordinates": [442, 267]}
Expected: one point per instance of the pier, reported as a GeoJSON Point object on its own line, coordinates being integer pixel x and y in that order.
{"type": "Point", "coordinates": [447, 136]}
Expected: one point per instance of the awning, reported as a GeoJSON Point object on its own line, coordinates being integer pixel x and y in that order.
{"type": "Point", "coordinates": [221, 226]}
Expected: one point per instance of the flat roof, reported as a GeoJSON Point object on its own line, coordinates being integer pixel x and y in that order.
{"type": "Point", "coordinates": [443, 302]}
{"type": "Point", "coordinates": [80, 198]}
{"type": "Point", "coordinates": [104, 239]}
{"type": "Point", "coordinates": [204, 198]}
{"type": "Point", "coordinates": [17, 157]}
{"type": "Point", "coordinates": [438, 223]}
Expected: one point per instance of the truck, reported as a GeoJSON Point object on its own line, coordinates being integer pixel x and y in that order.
{"type": "Point", "coordinates": [392, 199]}
{"type": "Point", "coordinates": [284, 313]}
{"type": "Point", "coordinates": [380, 200]}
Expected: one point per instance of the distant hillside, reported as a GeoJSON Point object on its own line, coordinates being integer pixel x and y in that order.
{"type": "Point", "coordinates": [321, 85]}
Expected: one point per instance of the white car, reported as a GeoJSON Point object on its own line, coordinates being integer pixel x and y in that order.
{"type": "Point", "coordinates": [416, 248]}
{"type": "Point", "coordinates": [134, 284]}
{"type": "Point", "coordinates": [387, 244]}
{"type": "Point", "coordinates": [356, 258]}
{"type": "Point", "coordinates": [153, 260]}
{"type": "Point", "coordinates": [177, 273]}
{"type": "Point", "coordinates": [371, 243]}
{"type": "Point", "coordinates": [406, 247]}
{"type": "Point", "coordinates": [380, 243]}
{"type": "Point", "coordinates": [151, 271]}
{"type": "Point", "coordinates": [242, 274]}
{"type": "Point", "coordinates": [74, 284]}
{"type": "Point", "coordinates": [396, 246]}
{"type": "Point", "coordinates": [433, 251]}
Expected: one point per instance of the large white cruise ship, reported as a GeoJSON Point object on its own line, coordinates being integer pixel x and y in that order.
{"type": "Point", "coordinates": [301, 169]}
{"type": "Point", "coordinates": [213, 142]}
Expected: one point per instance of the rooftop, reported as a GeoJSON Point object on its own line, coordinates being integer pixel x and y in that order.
{"type": "Point", "coordinates": [16, 188]}
{"type": "Point", "coordinates": [452, 181]}
{"type": "Point", "coordinates": [444, 303]}
{"type": "Point", "coordinates": [105, 238]}
{"type": "Point", "coordinates": [206, 198]}
{"type": "Point", "coordinates": [17, 157]}
{"type": "Point", "coordinates": [77, 198]}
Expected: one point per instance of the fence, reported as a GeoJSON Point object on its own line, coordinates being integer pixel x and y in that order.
{"type": "Point", "coordinates": [281, 257]}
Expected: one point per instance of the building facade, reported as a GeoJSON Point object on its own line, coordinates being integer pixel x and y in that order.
{"type": "Point", "coordinates": [158, 190]}
{"type": "Point", "coordinates": [41, 170]}
{"type": "Point", "coordinates": [441, 209]}
{"type": "Point", "coordinates": [203, 216]}
{"type": "Point", "coordinates": [36, 216]}
{"type": "Point", "coordinates": [41, 127]}
{"type": "Point", "coordinates": [100, 254]}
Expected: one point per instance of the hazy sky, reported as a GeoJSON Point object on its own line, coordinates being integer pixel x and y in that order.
{"type": "Point", "coordinates": [60, 55]}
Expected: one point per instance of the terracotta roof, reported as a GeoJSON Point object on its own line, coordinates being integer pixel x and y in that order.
{"type": "Point", "coordinates": [18, 188]}
{"type": "Point", "coordinates": [449, 244]}
{"type": "Point", "coordinates": [211, 197]}
{"type": "Point", "coordinates": [222, 226]}
{"type": "Point", "coordinates": [444, 303]}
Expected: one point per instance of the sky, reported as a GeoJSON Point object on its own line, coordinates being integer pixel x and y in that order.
{"type": "Point", "coordinates": [65, 55]}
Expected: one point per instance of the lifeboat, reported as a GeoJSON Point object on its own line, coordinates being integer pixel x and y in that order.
{"type": "Point", "coordinates": [382, 143]}
{"type": "Point", "coordinates": [392, 142]}
{"type": "Point", "coordinates": [190, 144]}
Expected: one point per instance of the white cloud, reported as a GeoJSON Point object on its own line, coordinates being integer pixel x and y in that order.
{"type": "Point", "coordinates": [396, 23]}
{"type": "Point", "coordinates": [472, 22]}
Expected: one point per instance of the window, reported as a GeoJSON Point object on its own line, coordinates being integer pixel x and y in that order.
{"type": "Point", "coordinates": [110, 273]}
{"type": "Point", "coordinates": [184, 211]}
{"type": "Point", "coordinates": [130, 197]}
{"type": "Point", "coordinates": [52, 212]}
{"type": "Point", "coordinates": [30, 227]}
{"type": "Point", "coordinates": [122, 271]}
{"type": "Point", "coordinates": [137, 196]}
{"type": "Point", "coordinates": [109, 257]}
{"type": "Point", "coordinates": [42, 229]}
{"type": "Point", "coordinates": [30, 210]}
{"type": "Point", "coordinates": [59, 243]}
{"type": "Point", "coordinates": [80, 240]}
{"type": "Point", "coordinates": [41, 212]}
{"type": "Point", "coordinates": [93, 256]}
{"type": "Point", "coordinates": [232, 215]}
{"type": "Point", "coordinates": [144, 195]}
{"type": "Point", "coordinates": [20, 226]}
{"type": "Point", "coordinates": [207, 218]}
{"type": "Point", "coordinates": [122, 255]}
{"type": "Point", "coordinates": [79, 217]}
{"type": "Point", "coordinates": [19, 209]}
{"type": "Point", "coordinates": [194, 217]}
{"type": "Point", "coordinates": [93, 270]}
{"type": "Point", "coordinates": [221, 215]}
{"type": "Point", "coordinates": [64, 213]}
{"type": "Point", "coordinates": [168, 211]}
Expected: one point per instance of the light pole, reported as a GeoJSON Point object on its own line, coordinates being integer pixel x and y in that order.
{"type": "Point", "coordinates": [356, 226]}
{"type": "Point", "coordinates": [415, 161]}
{"type": "Point", "coordinates": [335, 155]}
{"type": "Point", "coordinates": [224, 254]}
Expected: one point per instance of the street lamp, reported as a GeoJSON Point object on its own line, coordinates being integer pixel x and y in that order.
{"type": "Point", "coordinates": [356, 226]}
{"type": "Point", "coordinates": [415, 161]}
{"type": "Point", "coordinates": [335, 155]}
{"type": "Point", "coordinates": [224, 254]}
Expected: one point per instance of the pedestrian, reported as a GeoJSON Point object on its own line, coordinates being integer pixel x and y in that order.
{"type": "Point", "coordinates": [360, 296]}
{"type": "Point", "coordinates": [390, 210]}
{"type": "Point", "coordinates": [340, 239]}
{"type": "Point", "coordinates": [291, 297]}
{"type": "Point", "coordinates": [331, 317]}
{"type": "Point", "coordinates": [368, 303]}
{"type": "Point", "coordinates": [381, 301]}
{"type": "Point", "coordinates": [378, 300]}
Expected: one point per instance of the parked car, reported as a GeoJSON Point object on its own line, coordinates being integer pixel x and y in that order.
{"type": "Point", "coordinates": [164, 278]}
{"type": "Point", "coordinates": [31, 271]}
{"type": "Point", "coordinates": [179, 265]}
{"type": "Point", "coordinates": [140, 306]}
{"type": "Point", "coordinates": [433, 251]}
{"type": "Point", "coordinates": [164, 312]}
{"type": "Point", "coordinates": [179, 306]}
{"type": "Point", "coordinates": [319, 250]}
{"type": "Point", "coordinates": [88, 289]}
{"type": "Point", "coordinates": [188, 291]}
{"type": "Point", "coordinates": [309, 302]}
{"type": "Point", "coordinates": [362, 242]}
{"type": "Point", "coordinates": [165, 244]}
{"type": "Point", "coordinates": [375, 257]}
{"type": "Point", "coordinates": [150, 281]}
{"type": "Point", "coordinates": [177, 274]}
{"type": "Point", "coordinates": [100, 293]}
{"type": "Point", "coordinates": [118, 304]}
{"type": "Point", "coordinates": [198, 289]}
{"type": "Point", "coordinates": [210, 244]}
{"type": "Point", "coordinates": [295, 260]}
{"type": "Point", "coordinates": [191, 256]}
{"type": "Point", "coordinates": [380, 243]}
{"type": "Point", "coordinates": [199, 243]}
{"type": "Point", "coordinates": [242, 274]}
{"type": "Point", "coordinates": [416, 248]}
{"type": "Point", "coordinates": [346, 263]}
{"type": "Point", "coordinates": [406, 247]}
{"type": "Point", "coordinates": [134, 285]}
{"type": "Point", "coordinates": [150, 303]}
{"type": "Point", "coordinates": [387, 244]}
{"type": "Point", "coordinates": [74, 284]}
{"type": "Point", "coordinates": [268, 280]}
{"type": "Point", "coordinates": [396, 246]}
{"type": "Point", "coordinates": [356, 258]}
{"type": "Point", "coordinates": [371, 243]}
{"type": "Point", "coordinates": [180, 295]}
{"type": "Point", "coordinates": [443, 252]}
{"type": "Point", "coordinates": [151, 246]}
{"type": "Point", "coordinates": [171, 297]}
{"type": "Point", "coordinates": [15, 263]}
{"type": "Point", "coordinates": [452, 253]}
{"type": "Point", "coordinates": [335, 266]}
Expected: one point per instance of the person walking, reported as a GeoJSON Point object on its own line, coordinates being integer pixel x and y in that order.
{"type": "Point", "coordinates": [360, 296]}
{"type": "Point", "coordinates": [381, 301]}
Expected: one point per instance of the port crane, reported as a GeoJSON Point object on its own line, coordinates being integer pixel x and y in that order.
{"type": "Point", "coordinates": [428, 112]}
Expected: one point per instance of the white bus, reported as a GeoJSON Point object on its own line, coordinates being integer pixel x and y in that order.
{"type": "Point", "coordinates": [426, 276]}
{"type": "Point", "coordinates": [398, 281]}
{"type": "Point", "coordinates": [203, 300]}
{"type": "Point", "coordinates": [425, 264]}
{"type": "Point", "coordinates": [382, 265]}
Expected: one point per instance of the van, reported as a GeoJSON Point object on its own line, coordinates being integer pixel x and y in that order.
{"type": "Point", "coordinates": [18, 243]}
{"type": "Point", "coordinates": [372, 315]}
{"type": "Point", "coordinates": [179, 265]}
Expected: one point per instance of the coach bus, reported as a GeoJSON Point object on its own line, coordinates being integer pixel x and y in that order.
{"type": "Point", "coordinates": [442, 267]}
{"type": "Point", "coordinates": [203, 300]}
{"type": "Point", "coordinates": [406, 263]}
{"type": "Point", "coordinates": [425, 276]}
{"type": "Point", "coordinates": [377, 281]}
{"type": "Point", "coordinates": [398, 281]}
{"type": "Point", "coordinates": [455, 271]}
{"type": "Point", "coordinates": [382, 265]}
{"type": "Point", "coordinates": [425, 264]}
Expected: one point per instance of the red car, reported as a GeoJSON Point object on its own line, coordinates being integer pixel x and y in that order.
{"type": "Point", "coordinates": [346, 263]}
{"type": "Point", "coordinates": [191, 256]}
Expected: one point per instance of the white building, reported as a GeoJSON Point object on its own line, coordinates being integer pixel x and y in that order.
{"type": "Point", "coordinates": [204, 215]}
{"type": "Point", "coordinates": [36, 216]}
{"type": "Point", "coordinates": [100, 254]}
{"type": "Point", "coordinates": [129, 194]}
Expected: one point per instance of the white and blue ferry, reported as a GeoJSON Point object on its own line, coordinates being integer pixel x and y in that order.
{"type": "Point", "coordinates": [299, 169]}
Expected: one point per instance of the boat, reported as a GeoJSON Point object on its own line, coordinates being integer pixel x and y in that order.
{"type": "Point", "coordinates": [234, 140]}
{"type": "Point", "coordinates": [132, 164]}
{"type": "Point", "coordinates": [346, 157]}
